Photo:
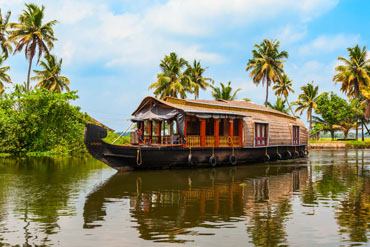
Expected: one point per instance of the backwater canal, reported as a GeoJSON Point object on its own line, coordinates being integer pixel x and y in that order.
{"type": "Point", "coordinates": [322, 200]}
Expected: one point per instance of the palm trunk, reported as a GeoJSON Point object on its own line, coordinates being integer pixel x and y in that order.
{"type": "Point", "coordinates": [309, 131]}
{"type": "Point", "coordinates": [29, 72]}
{"type": "Point", "coordinates": [357, 131]}
{"type": "Point", "coordinates": [291, 110]}
{"type": "Point", "coordinates": [267, 92]}
{"type": "Point", "coordinates": [362, 132]}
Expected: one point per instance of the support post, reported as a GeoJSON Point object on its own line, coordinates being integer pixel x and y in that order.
{"type": "Point", "coordinates": [202, 132]}
{"type": "Point", "coordinates": [240, 131]}
{"type": "Point", "coordinates": [150, 130]}
{"type": "Point", "coordinates": [231, 129]}
{"type": "Point", "coordinates": [158, 131]}
{"type": "Point", "coordinates": [185, 130]}
{"type": "Point", "coordinates": [217, 131]}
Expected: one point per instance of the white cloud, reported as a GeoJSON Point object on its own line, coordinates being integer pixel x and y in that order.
{"type": "Point", "coordinates": [327, 44]}
{"type": "Point", "coordinates": [289, 34]}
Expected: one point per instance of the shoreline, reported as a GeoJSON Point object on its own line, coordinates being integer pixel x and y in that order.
{"type": "Point", "coordinates": [339, 145]}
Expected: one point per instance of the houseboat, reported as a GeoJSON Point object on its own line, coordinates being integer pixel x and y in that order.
{"type": "Point", "coordinates": [195, 133]}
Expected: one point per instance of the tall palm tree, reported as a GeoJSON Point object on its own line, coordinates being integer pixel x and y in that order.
{"type": "Point", "coordinates": [279, 105]}
{"type": "Point", "coordinates": [30, 33]}
{"type": "Point", "coordinates": [354, 74]}
{"type": "Point", "coordinates": [4, 77]}
{"type": "Point", "coordinates": [195, 73]}
{"type": "Point", "coordinates": [5, 47]}
{"type": "Point", "coordinates": [50, 77]}
{"type": "Point", "coordinates": [307, 101]}
{"type": "Point", "coordinates": [224, 92]}
{"type": "Point", "coordinates": [172, 81]}
{"type": "Point", "coordinates": [267, 64]}
{"type": "Point", "coordinates": [283, 88]}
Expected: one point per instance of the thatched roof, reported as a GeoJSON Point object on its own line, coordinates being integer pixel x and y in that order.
{"type": "Point", "coordinates": [234, 107]}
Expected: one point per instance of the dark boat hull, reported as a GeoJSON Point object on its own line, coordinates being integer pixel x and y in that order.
{"type": "Point", "coordinates": [161, 157]}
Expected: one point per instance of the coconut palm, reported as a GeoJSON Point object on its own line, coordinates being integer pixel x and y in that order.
{"type": "Point", "coordinates": [172, 81]}
{"type": "Point", "coordinates": [50, 77]}
{"type": "Point", "coordinates": [354, 74]}
{"type": "Point", "coordinates": [5, 46]}
{"type": "Point", "coordinates": [32, 35]}
{"type": "Point", "coordinates": [283, 88]}
{"type": "Point", "coordinates": [4, 77]}
{"type": "Point", "coordinates": [307, 101]}
{"type": "Point", "coordinates": [224, 92]}
{"type": "Point", "coordinates": [267, 64]}
{"type": "Point", "coordinates": [279, 105]}
{"type": "Point", "coordinates": [195, 73]}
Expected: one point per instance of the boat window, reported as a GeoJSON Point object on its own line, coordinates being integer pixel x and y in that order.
{"type": "Point", "coordinates": [295, 135]}
{"type": "Point", "coordinates": [261, 134]}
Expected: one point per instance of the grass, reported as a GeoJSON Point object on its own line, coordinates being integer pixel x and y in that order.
{"type": "Point", "coordinates": [349, 143]}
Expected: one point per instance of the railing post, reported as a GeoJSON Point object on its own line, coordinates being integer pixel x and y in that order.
{"type": "Point", "coordinates": [202, 132]}
{"type": "Point", "coordinates": [150, 130]}
{"type": "Point", "coordinates": [216, 133]}
{"type": "Point", "coordinates": [185, 129]}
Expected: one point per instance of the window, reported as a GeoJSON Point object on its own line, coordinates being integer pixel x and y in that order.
{"type": "Point", "coordinates": [295, 135]}
{"type": "Point", "coordinates": [260, 135]}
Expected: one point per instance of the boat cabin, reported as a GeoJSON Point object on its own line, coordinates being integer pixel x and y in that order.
{"type": "Point", "coordinates": [208, 123]}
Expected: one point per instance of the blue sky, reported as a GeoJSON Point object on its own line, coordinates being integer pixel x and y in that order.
{"type": "Point", "coordinates": [111, 49]}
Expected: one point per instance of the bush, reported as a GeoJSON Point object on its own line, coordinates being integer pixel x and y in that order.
{"type": "Point", "coordinates": [40, 121]}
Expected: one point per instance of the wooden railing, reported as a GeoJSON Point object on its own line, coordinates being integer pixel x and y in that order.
{"type": "Point", "coordinates": [236, 141]}
{"type": "Point", "coordinates": [223, 141]}
{"type": "Point", "coordinates": [193, 141]}
{"type": "Point", "coordinates": [210, 141]}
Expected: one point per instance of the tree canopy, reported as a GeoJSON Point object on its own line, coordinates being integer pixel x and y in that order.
{"type": "Point", "coordinates": [224, 92]}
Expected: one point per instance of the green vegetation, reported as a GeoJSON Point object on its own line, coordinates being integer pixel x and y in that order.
{"type": "Point", "coordinates": [6, 48]}
{"type": "Point", "coordinates": [279, 105]}
{"type": "Point", "coordinates": [267, 64]}
{"type": "Point", "coordinates": [50, 77]}
{"type": "Point", "coordinates": [195, 75]}
{"type": "Point", "coordinates": [307, 101]}
{"type": "Point", "coordinates": [4, 77]}
{"type": "Point", "coordinates": [40, 121]}
{"type": "Point", "coordinates": [224, 92]}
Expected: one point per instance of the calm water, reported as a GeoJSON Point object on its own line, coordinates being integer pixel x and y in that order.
{"type": "Point", "coordinates": [323, 200]}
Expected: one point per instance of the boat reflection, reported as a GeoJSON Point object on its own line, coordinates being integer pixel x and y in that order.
{"type": "Point", "coordinates": [169, 204]}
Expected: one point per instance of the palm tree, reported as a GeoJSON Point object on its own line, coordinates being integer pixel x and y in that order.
{"type": "Point", "coordinates": [354, 74]}
{"type": "Point", "coordinates": [307, 101]}
{"type": "Point", "coordinates": [4, 77]}
{"type": "Point", "coordinates": [32, 34]}
{"type": "Point", "coordinates": [195, 73]}
{"type": "Point", "coordinates": [5, 47]}
{"type": "Point", "coordinates": [283, 87]}
{"type": "Point", "coordinates": [267, 64]}
{"type": "Point", "coordinates": [345, 126]}
{"type": "Point", "coordinates": [279, 105]}
{"type": "Point", "coordinates": [172, 81]}
{"type": "Point", "coordinates": [50, 77]}
{"type": "Point", "coordinates": [224, 92]}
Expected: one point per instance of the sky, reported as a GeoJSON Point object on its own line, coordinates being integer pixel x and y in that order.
{"type": "Point", "coordinates": [112, 49]}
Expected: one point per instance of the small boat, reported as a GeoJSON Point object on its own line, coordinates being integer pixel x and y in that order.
{"type": "Point", "coordinates": [198, 133]}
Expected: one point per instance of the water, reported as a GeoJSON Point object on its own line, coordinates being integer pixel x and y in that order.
{"type": "Point", "coordinates": [323, 200]}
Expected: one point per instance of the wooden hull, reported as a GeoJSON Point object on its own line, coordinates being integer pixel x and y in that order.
{"type": "Point", "coordinates": [161, 157]}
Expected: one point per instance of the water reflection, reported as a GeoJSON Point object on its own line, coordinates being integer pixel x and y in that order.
{"type": "Point", "coordinates": [35, 193]}
{"type": "Point", "coordinates": [169, 204]}
{"type": "Point", "coordinates": [322, 200]}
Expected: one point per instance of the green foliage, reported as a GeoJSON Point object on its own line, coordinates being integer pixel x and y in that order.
{"type": "Point", "coordinates": [40, 121]}
{"type": "Point", "coordinates": [50, 77]}
{"type": "Point", "coordinates": [195, 75]}
{"type": "Point", "coordinates": [224, 92]}
{"type": "Point", "coordinates": [111, 137]}
{"type": "Point", "coordinates": [172, 81]}
{"type": "Point", "coordinates": [6, 48]}
{"type": "Point", "coordinates": [267, 63]}
{"type": "Point", "coordinates": [32, 34]}
{"type": "Point", "coordinates": [355, 73]}
{"type": "Point", "coordinates": [279, 105]}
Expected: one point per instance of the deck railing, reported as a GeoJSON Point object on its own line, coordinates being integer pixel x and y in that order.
{"type": "Point", "coordinates": [193, 141]}
{"type": "Point", "coordinates": [210, 141]}
{"type": "Point", "coordinates": [223, 141]}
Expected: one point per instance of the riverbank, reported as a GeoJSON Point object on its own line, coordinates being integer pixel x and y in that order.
{"type": "Point", "coordinates": [339, 144]}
